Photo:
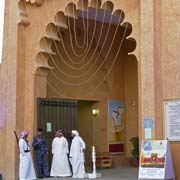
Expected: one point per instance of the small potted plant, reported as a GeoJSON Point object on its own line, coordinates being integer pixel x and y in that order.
{"type": "Point", "coordinates": [134, 160]}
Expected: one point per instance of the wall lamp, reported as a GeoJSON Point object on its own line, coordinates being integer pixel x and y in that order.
{"type": "Point", "coordinates": [95, 111]}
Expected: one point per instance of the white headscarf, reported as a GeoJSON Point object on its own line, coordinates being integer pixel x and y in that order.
{"type": "Point", "coordinates": [59, 132]}
{"type": "Point", "coordinates": [76, 133]}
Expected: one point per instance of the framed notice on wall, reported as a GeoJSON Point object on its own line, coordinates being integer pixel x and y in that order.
{"type": "Point", "coordinates": [172, 119]}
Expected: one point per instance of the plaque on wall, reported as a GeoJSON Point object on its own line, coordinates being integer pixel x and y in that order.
{"type": "Point", "coordinates": [172, 119]}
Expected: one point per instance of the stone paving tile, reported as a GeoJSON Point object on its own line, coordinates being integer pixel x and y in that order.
{"type": "Point", "coordinates": [120, 173]}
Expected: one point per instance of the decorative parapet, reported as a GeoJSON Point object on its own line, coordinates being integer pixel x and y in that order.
{"type": "Point", "coordinates": [37, 2]}
{"type": "Point", "coordinates": [23, 9]}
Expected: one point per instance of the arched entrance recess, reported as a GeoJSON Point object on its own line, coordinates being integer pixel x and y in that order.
{"type": "Point", "coordinates": [78, 59]}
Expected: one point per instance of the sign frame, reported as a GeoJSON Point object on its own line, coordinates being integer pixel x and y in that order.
{"type": "Point", "coordinates": [155, 160]}
{"type": "Point", "coordinates": [166, 101]}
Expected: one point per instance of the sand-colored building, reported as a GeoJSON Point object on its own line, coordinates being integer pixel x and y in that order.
{"type": "Point", "coordinates": [87, 52]}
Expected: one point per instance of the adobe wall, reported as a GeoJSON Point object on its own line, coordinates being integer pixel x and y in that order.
{"type": "Point", "coordinates": [8, 72]}
{"type": "Point", "coordinates": [156, 52]}
{"type": "Point", "coordinates": [131, 15]}
{"type": "Point", "coordinates": [19, 65]}
{"type": "Point", "coordinates": [159, 74]}
{"type": "Point", "coordinates": [121, 83]}
{"type": "Point", "coordinates": [155, 63]}
{"type": "Point", "coordinates": [170, 58]}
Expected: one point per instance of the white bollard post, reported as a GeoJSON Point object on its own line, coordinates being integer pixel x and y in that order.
{"type": "Point", "coordinates": [94, 159]}
{"type": "Point", "coordinates": [94, 175]}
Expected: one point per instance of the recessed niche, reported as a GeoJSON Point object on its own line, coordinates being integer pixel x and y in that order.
{"type": "Point", "coordinates": [52, 31]}
{"type": "Point", "coordinates": [95, 4]}
{"type": "Point", "coordinates": [119, 13]}
{"type": "Point", "coordinates": [83, 5]}
{"type": "Point", "coordinates": [46, 45]}
{"type": "Point", "coordinates": [108, 6]}
{"type": "Point", "coordinates": [128, 28]}
{"type": "Point", "coordinates": [71, 10]}
{"type": "Point", "coordinates": [61, 20]}
{"type": "Point", "coordinates": [130, 45]}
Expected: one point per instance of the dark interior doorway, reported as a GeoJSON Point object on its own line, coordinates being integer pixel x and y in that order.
{"type": "Point", "coordinates": [66, 114]}
{"type": "Point", "coordinates": [54, 114]}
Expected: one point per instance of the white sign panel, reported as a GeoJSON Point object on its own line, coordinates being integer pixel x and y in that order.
{"type": "Point", "coordinates": [172, 120]}
{"type": "Point", "coordinates": [152, 159]}
{"type": "Point", "coordinates": [49, 129]}
{"type": "Point", "coordinates": [155, 160]}
{"type": "Point", "coordinates": [148, 133]}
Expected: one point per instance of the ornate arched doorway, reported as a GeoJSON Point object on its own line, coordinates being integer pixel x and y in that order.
{"type": "Point", "coordinates": [85, 53]}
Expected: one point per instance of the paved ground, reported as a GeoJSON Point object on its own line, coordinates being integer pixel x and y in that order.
{"type": "Point", "coordinates": [120, 173]}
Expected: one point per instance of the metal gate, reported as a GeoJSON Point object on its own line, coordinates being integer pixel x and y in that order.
{"type": "Point", "coordinates": [54, 114]}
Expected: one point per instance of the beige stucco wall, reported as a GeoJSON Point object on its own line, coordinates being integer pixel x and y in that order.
{"type": "Point", "coordinates": [25, 88]}
{"type": "Point", "coordinates": [8, 79]}
{"type": "Point", "coordinates": [170, 56]}
{"type": "Point", "coordinates": [121, 83]}
{"type": "Point", "coordinates": [156, 29]}
{"type": "Point", "coordinates": [131, 100]}
{"type": "Point", "coordinates": [162, 66]}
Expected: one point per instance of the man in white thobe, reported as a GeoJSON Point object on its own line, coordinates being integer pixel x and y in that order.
{"type": "Point", "coordinates": [26, 168]}
{"type": "Point", "coordinates": [60, 164]}
{"type": "Point", "coordinates": [77, 155]}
